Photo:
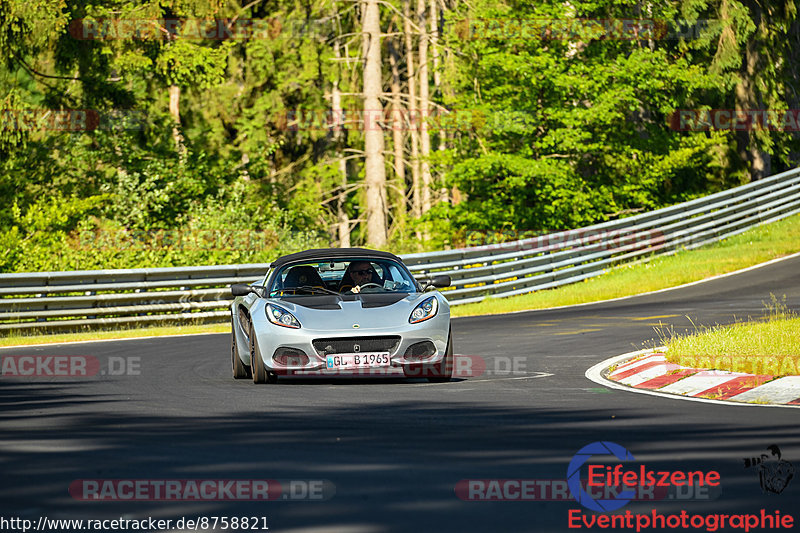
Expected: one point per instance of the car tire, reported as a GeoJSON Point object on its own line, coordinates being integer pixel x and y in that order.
{"type": "Point", "coordinates": [442, 372]}
{"type": "Point", "coordinates": [240, 370]}
{"type": "Point", "coordinates": [260, 374]}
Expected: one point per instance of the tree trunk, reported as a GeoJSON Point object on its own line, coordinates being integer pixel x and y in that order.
{"type": "Point", "coordinates": [175, 111]}
{"type": "Point", "coordinates": [374, 169]}
{"type": "Point", "coordinates": [413, 115]}
{"type": "Point", "coordinates": [339, 137]}
{"type": "Point", "coordinates": [437, 84]}
{"type": "Point", "coordinates": [175, 103]}
{"type": "Point", "coordinates": [434, 14]}
{"type": "Point", "coordinates": [398, 141]}
{"type": "Point", "coordinates": [424, 135]}
{"type": "Point", "coordinates": [748, 99]}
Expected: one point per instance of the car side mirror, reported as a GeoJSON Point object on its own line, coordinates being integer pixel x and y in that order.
{"type": "Point", "coordinates": [241, 289]}
{"type": "Point", "coordinates": [438, 282]}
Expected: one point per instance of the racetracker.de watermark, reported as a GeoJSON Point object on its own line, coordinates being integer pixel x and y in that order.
{"type": "Point", "coordinates": [735, 119]}
{"type": "Point", "coordinates": [70, 120]}
{"type": "Point", "coordinates": [600, 239]}
{"type": "Point", "coordinates": [67, 366]}
{"type": "Point", "coordinates": [557, 490]}
{"type": "Point", "coordinates": [216, 29]}
{"type": "Point", "coordinates": [391, 119]}
{"type": "Point", "coordinates": [758, 365]}
{"type": "Point", "coordinates": [583, 30]}
{"type": "Point", "coordinates": [200, 239]}
{"type": "Point", "coordinates": [201, 490]}
{"type": "Point", "coordinates": [464, 366]}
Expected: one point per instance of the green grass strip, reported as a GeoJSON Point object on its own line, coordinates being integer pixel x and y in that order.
{"type": "Point", "coordinates": [769, 345]}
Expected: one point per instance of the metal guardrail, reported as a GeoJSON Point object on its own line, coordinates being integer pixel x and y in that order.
{"type": "Point", "coordinates": [85, 299]}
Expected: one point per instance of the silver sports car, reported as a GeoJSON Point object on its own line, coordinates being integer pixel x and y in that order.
{"type": "Point", "coordinates": [340, 312]}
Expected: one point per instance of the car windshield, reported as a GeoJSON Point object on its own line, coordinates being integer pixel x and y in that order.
{"type": "Point", "coordinates": [340, 276]}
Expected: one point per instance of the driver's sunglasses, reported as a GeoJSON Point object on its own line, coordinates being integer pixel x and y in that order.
{"type": "Point", "coordinates": [360, 272]}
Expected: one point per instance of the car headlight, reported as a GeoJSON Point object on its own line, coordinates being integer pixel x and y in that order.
{"type": "Point", "coordinates": [425, 310]}
{"type": "Point", "coordinates": [281, 317]}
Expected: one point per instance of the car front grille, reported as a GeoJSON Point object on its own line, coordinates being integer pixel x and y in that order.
{"type": "Point", "coordinates": [386, 343]}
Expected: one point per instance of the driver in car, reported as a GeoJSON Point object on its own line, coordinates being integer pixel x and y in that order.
{"type": "Point", "coordinates": [361, 273]}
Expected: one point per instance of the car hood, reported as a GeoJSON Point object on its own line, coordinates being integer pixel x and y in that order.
{"type": "Point", "coordinates": [367, 311]}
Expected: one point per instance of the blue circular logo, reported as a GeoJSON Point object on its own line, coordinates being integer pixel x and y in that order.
{"type": "Point", "coordinates": [574, 476]}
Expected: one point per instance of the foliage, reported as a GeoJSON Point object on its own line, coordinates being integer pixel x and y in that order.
{"type": "Point", "coordinates": [575, 133]}
{"type": "Point", "coordinates": [531, 133]}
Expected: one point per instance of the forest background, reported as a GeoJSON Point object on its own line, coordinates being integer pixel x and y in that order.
{"type": "Point", "coordinates": [140, 133]}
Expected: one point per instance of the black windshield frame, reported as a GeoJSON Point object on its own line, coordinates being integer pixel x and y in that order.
{"type": "Point", "coordinates": [393, 275]}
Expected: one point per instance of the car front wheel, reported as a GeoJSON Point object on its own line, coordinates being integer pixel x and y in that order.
{"type": "Point", "coordinates": [240, 370]}
{"type": "Point", "coordinates": [442, 372]}
{"type": "Point", "coordinates": [260, 374]}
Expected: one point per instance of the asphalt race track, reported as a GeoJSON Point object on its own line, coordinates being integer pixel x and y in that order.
{"type": "Point", "coordinates": [393, 450]}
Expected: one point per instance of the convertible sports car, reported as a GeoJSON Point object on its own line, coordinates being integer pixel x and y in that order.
{"type": "Point", "coordinates": [340, 312]}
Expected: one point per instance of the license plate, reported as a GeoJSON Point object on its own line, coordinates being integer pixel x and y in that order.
{"type": "Point", "coordinates": [349, 361]}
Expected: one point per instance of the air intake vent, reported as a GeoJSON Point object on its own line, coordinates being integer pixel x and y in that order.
{"type": "Point", "coordinates": [387, 343]}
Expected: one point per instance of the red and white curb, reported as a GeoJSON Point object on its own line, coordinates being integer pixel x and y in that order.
{"type": "Point", "coordinates": [649, 372]}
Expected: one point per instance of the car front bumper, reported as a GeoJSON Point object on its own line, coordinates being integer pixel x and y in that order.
{"type": "Point", "coordinates": [272, 340]}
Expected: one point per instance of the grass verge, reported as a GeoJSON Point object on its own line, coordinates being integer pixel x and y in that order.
{"type": "Point", "coordinates": [750, 248]}
{"type": "Point", "coordinates": [769, 346]}
{"type": "Point", "coordinates": [741, 251]}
